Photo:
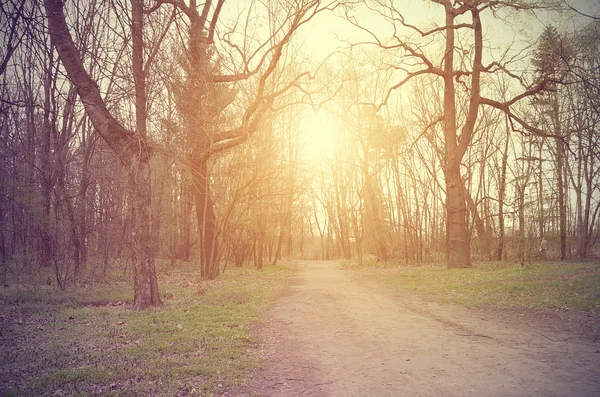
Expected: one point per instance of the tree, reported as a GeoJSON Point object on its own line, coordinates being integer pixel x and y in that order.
{"type": "Point", "coordinates": [551, 61]}
{"type": "Point", "coordinates": [584, 106]}
{"type": "Point", "coordinates": [206, 94]}
{"type": "Point", "coordinates": [572, 111]}
{"type": "Point", "coordinates": [461, 71]}
{"type": "Point", "coordinates": [12, 15]}
{"type": "Point", "coordinates": [131, 147]}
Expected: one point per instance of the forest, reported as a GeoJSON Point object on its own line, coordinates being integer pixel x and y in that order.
{"type": "Point", "coordinates": [226, 134]}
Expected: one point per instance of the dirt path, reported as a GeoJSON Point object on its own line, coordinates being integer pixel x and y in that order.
{"type": "Point", "coordinates": [329, 336]}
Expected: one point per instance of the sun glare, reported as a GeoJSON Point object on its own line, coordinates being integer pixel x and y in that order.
{"type": "Point", "coordinates": [319, 136]}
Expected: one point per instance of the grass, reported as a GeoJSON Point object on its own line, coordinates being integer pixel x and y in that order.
{"type": "Point", "coordinates": [551, 285]}
{"type": "Point", "coordinates": [90, 342]}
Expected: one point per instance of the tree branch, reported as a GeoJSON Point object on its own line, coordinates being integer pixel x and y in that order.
{"type": "Point", "coordinates": [125, 143]}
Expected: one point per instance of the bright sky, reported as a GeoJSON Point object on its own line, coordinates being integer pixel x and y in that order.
{"type": "Point", "coordinates": [518, 30]}
{"type": "Point", "coordinates": [319, 136]}
{"type": "Point", "coordinates": [327, 33]}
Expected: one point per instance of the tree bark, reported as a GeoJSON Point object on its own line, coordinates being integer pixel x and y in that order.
{"type": "Point", "coordinates": [458, 241]}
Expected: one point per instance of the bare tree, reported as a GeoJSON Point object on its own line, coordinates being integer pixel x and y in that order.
{"type": "Point", "coordinates": [207, 93]}
{"type": "Point", "coordinates": [461, 70]}
{"type": "Point", "coordinates": [131, 148]}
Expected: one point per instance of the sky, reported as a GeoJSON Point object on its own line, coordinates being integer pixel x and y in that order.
{"type": "Point", "coordinates": [327, 33]}
{"type": "Point", "coordinates": [322, 37]}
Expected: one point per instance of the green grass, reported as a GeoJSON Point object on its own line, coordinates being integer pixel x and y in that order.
{"type": "Point", "coordinates": [552, 285]}
{"type": "Point", "coordinates": [90, 342]}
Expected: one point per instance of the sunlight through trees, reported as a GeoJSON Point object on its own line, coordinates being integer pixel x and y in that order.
{"type": "Point", "coordinates": [138, 134]}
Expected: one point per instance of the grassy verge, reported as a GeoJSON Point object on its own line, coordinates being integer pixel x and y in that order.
{"type": "Point", "coordinates": [552, 285]}
{"type": "Point", "coordinates": [89, 341]}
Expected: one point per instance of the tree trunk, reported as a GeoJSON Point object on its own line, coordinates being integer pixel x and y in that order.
{"type": "Point", "coordinates": [82, 207]}
{"type": "Point", "coordinates": [260, 245]}
{"type": "Point", "coordinates": [458, 241]}
{"type": "Point", "coordinates": [502, 195]}
{"type": "Point", "coordinates": [479, 225]}
{"type": "Point", "coordinates": [207, 221]}
{"type": "Point", "coordinates": [577, 183]}
{"type": "Point", "coordinates": [186, 207]}
{"type": "Point", "coordinates": [541, 192]}
{"type": "Point", "coordinates": [458, 248]}
{"type": "Point", "coordinates": [561, 198]}
{"type": "Point", "coordinates": [279, 244]}
{"type": "Point", "coordinates": [521, 210]}
{"type": "Point", "coordinates": [587, 222]}
{"type": "Point", "coordinates": [560, 182]}
{"type": "Point", "coordinates": [144, 273]}
{"type": "Point", "coordinates": [46, 168]}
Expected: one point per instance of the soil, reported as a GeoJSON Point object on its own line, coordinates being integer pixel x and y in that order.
{"type": "Point", "coordinates": [328, 335]}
